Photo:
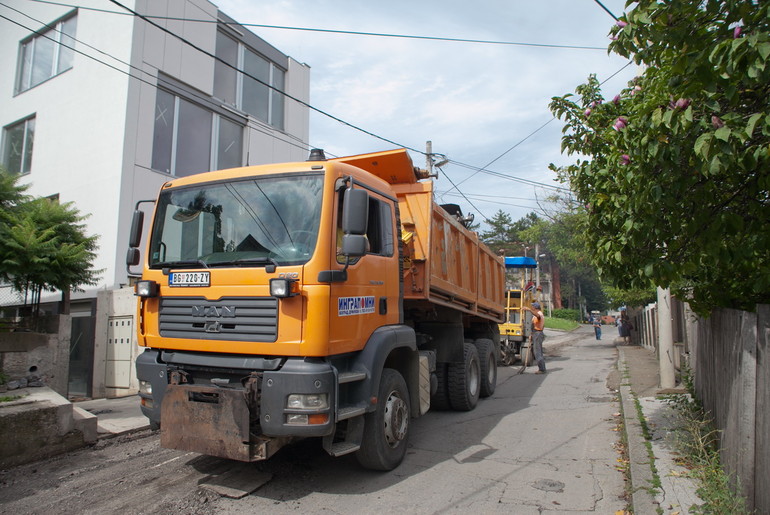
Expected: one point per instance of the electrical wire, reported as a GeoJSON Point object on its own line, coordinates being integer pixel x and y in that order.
{"type": "Point", "coordinates": [305, 104]}
{"type": "Point", "coordinates": [605, 8]}
{"type": "Point", "coordinates": [344, 32]}
{"type": "Point", "coordinates": [203, 99]}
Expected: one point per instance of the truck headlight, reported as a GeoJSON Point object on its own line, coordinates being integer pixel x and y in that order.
{"type": "Point", "coordinates": [146, 289]}
{"type": "Point", "coordinates": [145, 387]}
{"type": "Point", "coordinates": [316, 401]}
{"type": "Point", "coordinates": [283, 287]}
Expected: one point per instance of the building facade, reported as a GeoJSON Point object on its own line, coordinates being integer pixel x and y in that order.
{"type": "Point", "coordinates": [102, 104]}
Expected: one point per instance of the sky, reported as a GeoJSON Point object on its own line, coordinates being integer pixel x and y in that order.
{"type": "Point", "coordinates": [477, 103]}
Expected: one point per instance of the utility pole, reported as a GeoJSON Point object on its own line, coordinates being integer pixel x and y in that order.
{"type": "Point", "coordinates": [429, 157]}
{"type": "Point", "coordinates": [665, 339]}
{"type": "Point", "coordinates": [537, 272]}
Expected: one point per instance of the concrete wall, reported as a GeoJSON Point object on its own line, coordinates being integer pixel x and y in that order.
{"type": "Point", "coordinates": [46, 355]}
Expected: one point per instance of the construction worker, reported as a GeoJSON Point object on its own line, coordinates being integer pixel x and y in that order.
{"type": "Point", "coordinates": [538, 324]}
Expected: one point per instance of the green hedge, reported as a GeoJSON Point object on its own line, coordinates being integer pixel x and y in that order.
{"type": "Point", "coordinates": [567, 314]}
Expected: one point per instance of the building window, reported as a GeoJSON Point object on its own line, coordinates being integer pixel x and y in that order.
{"type": "Point", "coordinates": [18, 139]}
{"type": "Point", "coordinates": [190, 139]}
{"type": "Point", "coordinates": [248, 94]}
{"type": "Point", "coordinates": [46, 54]}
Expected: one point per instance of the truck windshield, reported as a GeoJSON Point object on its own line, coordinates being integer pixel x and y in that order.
{"type": "Point", "coordinates": [254, 222]}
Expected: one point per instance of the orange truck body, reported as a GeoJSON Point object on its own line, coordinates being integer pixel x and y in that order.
{"type": "Point", "coordinates": [262, 326]}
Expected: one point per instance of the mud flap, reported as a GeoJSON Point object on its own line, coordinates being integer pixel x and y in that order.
{"type": "Point", "coordinates": [212, 421]}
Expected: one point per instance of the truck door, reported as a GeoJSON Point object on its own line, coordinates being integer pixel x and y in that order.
{"type": "Point", "coordinates": [370, 297]}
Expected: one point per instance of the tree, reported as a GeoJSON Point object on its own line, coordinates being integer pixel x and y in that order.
{"type": "Point", "coordinates": [505, 235]}
{"type": "Point", "coordinates": [573, 272]}
{"type": "Point", "coordinates": [43, 245]}
{"type": "Point", "coordinates": [677, 182]}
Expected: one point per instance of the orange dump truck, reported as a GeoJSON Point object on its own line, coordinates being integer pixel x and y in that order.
{"type": "Point", "coordinates": [327, 298]}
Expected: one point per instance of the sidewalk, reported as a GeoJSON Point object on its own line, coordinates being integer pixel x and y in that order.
{"type": "Point", "coordinates": [116, 416]}
{"type": "Point", "coordinates": [640, 380]}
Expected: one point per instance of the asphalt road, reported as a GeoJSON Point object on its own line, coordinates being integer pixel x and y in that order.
{"type": "Point", "coordinates": [541, 443]}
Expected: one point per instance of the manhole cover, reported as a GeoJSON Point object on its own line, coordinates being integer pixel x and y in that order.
{"type": "Point", "coordinates": [549, 485]}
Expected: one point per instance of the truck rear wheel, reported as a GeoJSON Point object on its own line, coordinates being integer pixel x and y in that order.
{"type": "Point", "coordinates": [386, 429]}
{"type": "Point", "coordinates": [465, 380]}
{"type": "Point", "coordinates": [487, 365]}
{"type": "Point", "coordinates": [440, 400]}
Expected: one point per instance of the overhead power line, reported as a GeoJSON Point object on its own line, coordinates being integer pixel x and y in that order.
{"type": "Point", "coordinates": [344, 32]}
{"type": "Point", "coordinates": [605, 8]}
{"type": "Point", "coordinates": [147, 19]}
{"type": "Point", "coordinates": [151, 83]}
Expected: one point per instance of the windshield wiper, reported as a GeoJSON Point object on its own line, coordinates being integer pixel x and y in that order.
{"type": "Point", "coordinates": [246, 262]}
{"type": "Point", "coordinates": [188, 263]}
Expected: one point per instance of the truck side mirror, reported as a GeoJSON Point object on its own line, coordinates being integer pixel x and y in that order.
{"type": "Point", "coordinates": [135, 236]}
{"type": "Point", "coordinates": [132, 257]}
{"type": "Point", "coordinates": [355, 212]}
{"type": "Point", "coordinates": [354, 245]}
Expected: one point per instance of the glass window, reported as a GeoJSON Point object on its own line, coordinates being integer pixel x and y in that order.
{"type": "Point", "coordinates": [18, 140]}
{"type": "Point", "coordinates": [163, 135]}
{"type": "Point", "coordinates": [193, 141]}
{"type": "Point", "coordinates": [184, 139]}
{"type": "Point", "coordinates": [46, 54]}
{"type": "Point", "coordinates": [225, 78]}
{"type": "Point", "coordinates": [240, 223]}
{"type": "Point", "coordinates": [229, 144]}
{"type": "Point", "coordinates": [256, 96]}
{"type": "Point", "coordinates": [250, 90]}
{"type": "Point", "coordinates": [277, 99]}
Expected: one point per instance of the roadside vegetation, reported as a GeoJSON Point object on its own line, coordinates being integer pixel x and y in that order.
{"type": "Point", "coordinates": [560, 324]}
{"type": "Point", "coordinates": [698, 444]}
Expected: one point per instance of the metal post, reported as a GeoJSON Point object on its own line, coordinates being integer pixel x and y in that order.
{"type": "Point", "coordinates": [665, 340]}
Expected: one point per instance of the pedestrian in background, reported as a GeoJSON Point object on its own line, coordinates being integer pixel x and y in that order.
{"type": "Point", "coordinates": [536, 340]}
{"type": "Point", "coordinates": [598, 327]}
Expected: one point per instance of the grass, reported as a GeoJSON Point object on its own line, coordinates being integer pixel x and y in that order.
{"type": "Point", "coordinates": [698, 444]}
{"type": "Point", "coordinates": [561, 324]}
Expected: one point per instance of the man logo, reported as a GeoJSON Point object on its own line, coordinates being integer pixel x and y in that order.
{"type": "Point", "coordinates": [214, 311]}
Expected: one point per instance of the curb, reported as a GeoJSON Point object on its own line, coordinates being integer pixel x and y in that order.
{"type": "Point", "coordinates": [640, 465]}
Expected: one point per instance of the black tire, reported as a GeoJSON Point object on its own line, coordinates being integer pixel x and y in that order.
{"type": "Point", "coordinates": [465, 380]}
{"type": "Point", "coordinates": [527, 354]}
{"type": "Point", "coordinates": [487, 366]}
{"type": "Point", "coordinates": [440, 400]}
{"type": "Point", "coordinates": [386, 429]}
{"type": "Point", "coordinates": [154, 426]}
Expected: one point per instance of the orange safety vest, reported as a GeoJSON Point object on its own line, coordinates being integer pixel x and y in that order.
{"type": "Point", "coordinates": [538, 322]}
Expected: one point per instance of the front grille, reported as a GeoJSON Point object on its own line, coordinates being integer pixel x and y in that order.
{"type": "Point", "coordinates": [243, 319]}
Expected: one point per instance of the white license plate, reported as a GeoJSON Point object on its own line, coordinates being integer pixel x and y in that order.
{"type": "Point", "coordinates": [189, 279]}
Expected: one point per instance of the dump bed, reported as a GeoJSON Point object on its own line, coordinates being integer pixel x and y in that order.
{"type": "Point", "coordinates": [444, 263]}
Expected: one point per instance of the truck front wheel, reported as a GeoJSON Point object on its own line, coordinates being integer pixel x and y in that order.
{"type": "Point", "coordinates": [386, 429]}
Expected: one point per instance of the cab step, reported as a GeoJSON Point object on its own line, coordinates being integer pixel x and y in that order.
{"type": "Point", "coordinates": [350, 377]}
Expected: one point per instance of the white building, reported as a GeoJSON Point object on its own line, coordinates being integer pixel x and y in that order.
{"type": "Point", "coordinates": [100, 105]}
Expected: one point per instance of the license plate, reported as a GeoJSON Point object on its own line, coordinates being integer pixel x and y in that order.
{"type": "Point", "coordinates": [189, 279]}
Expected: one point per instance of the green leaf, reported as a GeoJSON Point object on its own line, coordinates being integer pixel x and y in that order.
{"type": "Point", "coordinates": [764, 50]}
{"type": "Point", "coordinates": [752, 123]}
{"type": "Point", "coordinates": [723, 133]}
{"type": "Point", "coordinates": [702, 145]}
{"type": "Point", "coordinates": [688, 114]}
